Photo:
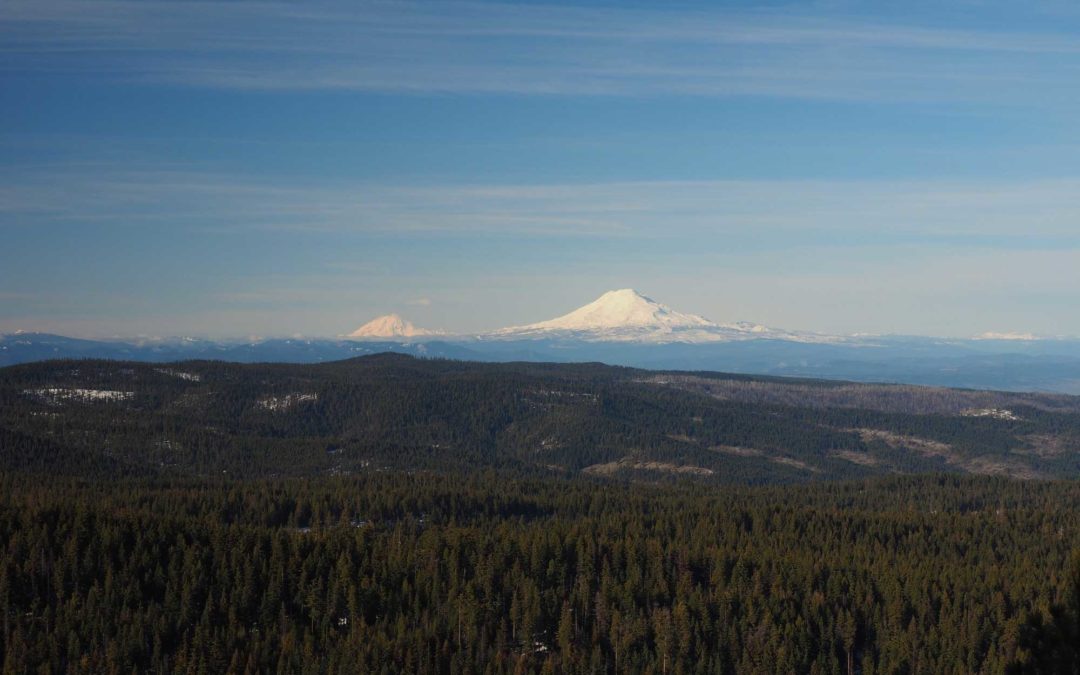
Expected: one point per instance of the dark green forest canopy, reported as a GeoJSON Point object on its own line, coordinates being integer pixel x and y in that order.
{"type": "Point", "coordinates": [443, 572]}
{"type": "Point", "coordinates": [392, 412]}
{"type": "Point", "coordinates": [390, 514]}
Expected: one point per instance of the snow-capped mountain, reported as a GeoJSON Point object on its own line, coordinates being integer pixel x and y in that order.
{"type": "Point", "coordinates": [625, 308]}
{"type": "Point", "coordinates": [390, 326]}
{"type": "Point", "coordinates": [626, 328]}
{"type": "Point", "coordinates": [628, 316]}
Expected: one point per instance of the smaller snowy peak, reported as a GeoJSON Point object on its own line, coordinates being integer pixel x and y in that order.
{"type": "Point", "coordinates": [390, 326]}
{"type": "Point", "coordinates": [624, 308]}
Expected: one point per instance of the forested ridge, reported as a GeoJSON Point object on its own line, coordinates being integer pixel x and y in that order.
{"type": "Point", "coordinates": [393, 412]}
{"type": "Point", "coordinates": [390, 514]}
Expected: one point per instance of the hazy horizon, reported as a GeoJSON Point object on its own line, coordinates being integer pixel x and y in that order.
{"type": "Point", "coordinates": [227, 169]}
{"type": "Point", "coordinates": [437, 333]}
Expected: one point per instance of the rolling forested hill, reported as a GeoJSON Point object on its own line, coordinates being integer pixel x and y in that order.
{"type": "Point", "coordinates": [389, 514]}
{"type": "Point", "coordinates": [392, 412]}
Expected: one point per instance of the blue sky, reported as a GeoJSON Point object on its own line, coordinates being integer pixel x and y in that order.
{"type": "Point", "coordinates": [276, 168]}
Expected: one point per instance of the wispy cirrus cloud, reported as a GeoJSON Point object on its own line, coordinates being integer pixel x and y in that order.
{"type": "Point", "coordinates": [467, 47]}
{"type": "Point", "coordinates": [1013, 213]}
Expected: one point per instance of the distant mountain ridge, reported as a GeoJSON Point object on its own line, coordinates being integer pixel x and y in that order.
{"type": "Point", "coordinates": [627, 328]}
{"type": "Point", "coordinates": [629, 317]}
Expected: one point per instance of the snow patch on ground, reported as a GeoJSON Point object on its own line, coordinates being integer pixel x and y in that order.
{"type": "Point", "coordinates": [995, 413]}
{"type": "Point", "coordinates": [287, 402]}
{"type": "Point", "coordinates": [57, 395]}
{"type": "Point", "coordinates": [190, 377]}
{"type": "Point", "coordinates": [613, 467]}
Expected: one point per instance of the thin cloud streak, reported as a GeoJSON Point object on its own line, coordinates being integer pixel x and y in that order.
{"type": "Point", "coordinates": [926, 210]}
{"type": "Point", "coordinates": [113, 23]}
{"type": "Point", "coordinates": [463, 48]}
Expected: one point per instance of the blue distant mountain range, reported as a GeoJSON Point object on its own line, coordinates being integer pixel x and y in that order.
{"type": "Point", "coordinates": [1035, 365]}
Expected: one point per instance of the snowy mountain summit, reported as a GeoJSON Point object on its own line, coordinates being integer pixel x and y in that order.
{"type": "Point", "coordinates": [625, 308]}
{"type": "Point", "coordinates": [389, 326]}
{"type": "Point", "coordinates": [624, 316]}
{"type": "Point", "coordinates": [628, 316]}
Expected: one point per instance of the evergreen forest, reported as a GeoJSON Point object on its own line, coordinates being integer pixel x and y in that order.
{"type": "Point", "coordinates": [399, 515]}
